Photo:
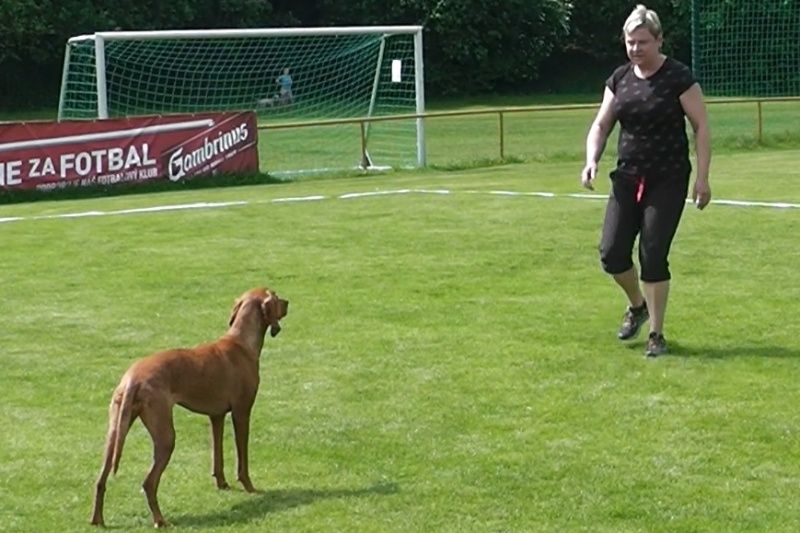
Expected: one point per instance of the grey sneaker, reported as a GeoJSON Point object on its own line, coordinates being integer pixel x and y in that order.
{"type": "Point", "coordinates": [632, 321]}
{"type": "Point", "coordinates": [656, 345]}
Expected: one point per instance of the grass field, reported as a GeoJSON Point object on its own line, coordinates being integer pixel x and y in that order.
{"type": "Point", "coordinates": [449, 362]}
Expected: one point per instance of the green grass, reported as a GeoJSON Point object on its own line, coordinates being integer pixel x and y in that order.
{"type": "Point", "coordinates": [448, 364]}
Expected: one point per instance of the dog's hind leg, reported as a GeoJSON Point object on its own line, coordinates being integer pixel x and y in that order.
{"type": "Point", "coordinates": [217, 461]}
{"type": "Point", "coordinates": [100, 485]}
{"type": "Point", "coordinates": [157, 418]}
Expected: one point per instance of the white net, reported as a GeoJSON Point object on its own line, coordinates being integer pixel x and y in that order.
{"type": "Point", "coordinates": [285, 77]}
{"type": "Point", "coordinates": [746, 47]}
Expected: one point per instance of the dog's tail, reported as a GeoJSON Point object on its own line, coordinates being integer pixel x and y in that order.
{"type": "Point", "coordinates": [123, 422]}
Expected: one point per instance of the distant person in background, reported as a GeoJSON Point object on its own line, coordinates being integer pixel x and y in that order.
{"type": "Point", "coordinates": [284, 82]}
{"type": "Point", "coordinates": [284, 95]}
{"type": "Point", "coordinates": [650, 97]}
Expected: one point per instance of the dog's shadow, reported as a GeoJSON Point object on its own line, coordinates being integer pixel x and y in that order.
{"type": "Point", "coordinates": [272, 501]}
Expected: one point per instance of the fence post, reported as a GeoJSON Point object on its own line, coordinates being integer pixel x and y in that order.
{"type": "Point", "coordinates": [364, 159]}
{"type": "Point", "coordinates": [760, 123]}
{"type": "Point", "coordinates": [502, 136]}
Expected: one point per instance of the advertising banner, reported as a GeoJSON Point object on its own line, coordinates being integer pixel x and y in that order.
{"type": "Point", "coordinates": [53, 155]}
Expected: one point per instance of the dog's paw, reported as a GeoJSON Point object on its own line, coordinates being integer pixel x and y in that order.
{"type": "Point", "coordinates": [248, 486]}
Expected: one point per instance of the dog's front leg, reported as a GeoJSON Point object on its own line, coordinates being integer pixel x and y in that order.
{"type": "Point", "coordinates": [217, 461]}
{"type": "Point", "coordinates": [241, 429]}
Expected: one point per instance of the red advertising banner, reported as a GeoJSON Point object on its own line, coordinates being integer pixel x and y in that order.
{"type": "Point", "coordinates": [52, 155]}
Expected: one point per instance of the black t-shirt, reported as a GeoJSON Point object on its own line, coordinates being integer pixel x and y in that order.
{"type": "Point", "coordinates": [652, 137]}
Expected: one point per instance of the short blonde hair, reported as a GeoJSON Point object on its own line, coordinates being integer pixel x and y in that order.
{"type": "Point", "coordinates": [641, 17]}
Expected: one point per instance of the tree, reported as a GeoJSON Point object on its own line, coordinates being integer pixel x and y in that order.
{"type": "Point", "coordinates": [596, 28]}
{"type": "Point", "coordinates": [748, 48]}
{"type": "Point", "coordinates": [32, 51]}
{"type": "Point", "coordinates": [471, 46]}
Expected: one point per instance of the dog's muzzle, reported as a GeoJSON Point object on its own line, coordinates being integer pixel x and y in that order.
{"type": "Point", "coordinates": [275, 327]}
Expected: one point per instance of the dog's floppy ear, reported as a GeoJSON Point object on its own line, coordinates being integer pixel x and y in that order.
{"type": "Point", "coordinates": [237, 305]}
{"type": "Point", "coordinates": [269, 308]}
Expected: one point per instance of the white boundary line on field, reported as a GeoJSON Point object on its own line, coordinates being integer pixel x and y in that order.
{"type": "Point", "coordinates": [367, 194]}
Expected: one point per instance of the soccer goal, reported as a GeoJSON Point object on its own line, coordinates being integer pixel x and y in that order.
{"type": "Point", "coordinates": [289, 76]}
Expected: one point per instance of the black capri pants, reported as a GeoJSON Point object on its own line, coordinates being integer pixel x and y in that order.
{"type": "Point", "coordinates": [651, 209]}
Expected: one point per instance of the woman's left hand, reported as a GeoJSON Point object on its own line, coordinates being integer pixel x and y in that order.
{"type": "Point", "coordinates": [701, 193]}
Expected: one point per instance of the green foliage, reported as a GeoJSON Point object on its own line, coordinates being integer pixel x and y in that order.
{"type": "Point", "coordinates": [596, 28]}
{"type": "Point", "coordinates": [748, 48]}
{"type": "Point", "coordinates": [32, 59]}
{"type": "Point", "coordinates": [471, 45]}
{"type": "Point", "coordinates": [17, 44]}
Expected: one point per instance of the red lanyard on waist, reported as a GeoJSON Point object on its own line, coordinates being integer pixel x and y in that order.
{"type": "Point", "coordinates": [639, 189]}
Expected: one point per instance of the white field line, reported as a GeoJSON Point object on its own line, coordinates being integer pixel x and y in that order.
{"type": "Point", "coordinates": [367, 194]}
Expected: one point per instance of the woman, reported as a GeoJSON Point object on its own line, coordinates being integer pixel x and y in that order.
{"type": "Point", "coordinates": [650, 97]}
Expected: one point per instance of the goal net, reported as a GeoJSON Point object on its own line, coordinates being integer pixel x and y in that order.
{"type": "Point", "coordinates": [291, 77]}
{"type": "Point", "coordinates": [747, 47]}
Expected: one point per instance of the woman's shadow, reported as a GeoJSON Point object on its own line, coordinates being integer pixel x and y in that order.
{"type": "Point", "coordinates": [711, 351]}
{"type": "Point", "coordinates": [272, 501]}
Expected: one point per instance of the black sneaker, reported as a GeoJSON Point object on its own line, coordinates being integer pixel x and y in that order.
{"type": "Point", "coordinates": [656, 345]}
{"type": "Point", "coordinates": [632, 322]}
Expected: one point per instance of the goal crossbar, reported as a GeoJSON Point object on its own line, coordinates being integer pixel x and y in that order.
{"type": "Point", "coordinates": [247, 32]}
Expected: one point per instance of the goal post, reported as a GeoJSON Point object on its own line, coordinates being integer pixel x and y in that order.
{"type": "Point", "coordinates": [287, 75]}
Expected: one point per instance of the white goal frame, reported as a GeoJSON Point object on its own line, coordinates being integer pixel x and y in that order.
{"type": "Point", "coordinates": [101, 38]}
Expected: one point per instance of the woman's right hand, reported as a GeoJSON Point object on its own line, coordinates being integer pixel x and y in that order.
{"type": "Point", "coordinates": [588, 174]}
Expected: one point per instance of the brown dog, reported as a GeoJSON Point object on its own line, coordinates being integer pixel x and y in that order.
{"type": "Point", "coordinates": [212, 379]}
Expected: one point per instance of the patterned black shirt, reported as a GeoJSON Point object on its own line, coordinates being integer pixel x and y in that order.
{"type": "Point", "coordinates": [652, 137]}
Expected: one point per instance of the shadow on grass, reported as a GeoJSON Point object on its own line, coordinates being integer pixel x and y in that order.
{"type": "Point", "coordinates": [272, 501]}
{"type": "Point", "coordinates": [722, 352]}
{"type": "Point", "coordinates": [677, 349]}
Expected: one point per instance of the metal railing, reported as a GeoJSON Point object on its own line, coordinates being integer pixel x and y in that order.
{"type": "Point", "coordinates": [501, 113]}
